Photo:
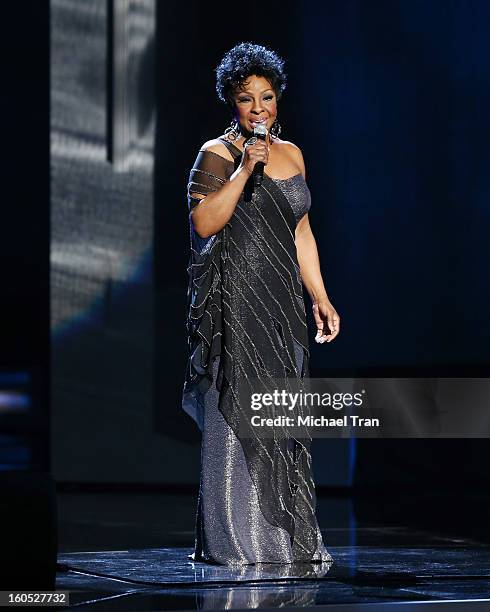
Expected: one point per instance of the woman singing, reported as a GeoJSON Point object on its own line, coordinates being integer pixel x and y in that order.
{"type": "Point", "coordinates": [251, 249]}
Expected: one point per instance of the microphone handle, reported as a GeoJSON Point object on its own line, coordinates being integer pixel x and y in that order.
{"type": "Point", "coordinates": [258, 173]}
{"type": "Point", "coordinates": [259, 166]}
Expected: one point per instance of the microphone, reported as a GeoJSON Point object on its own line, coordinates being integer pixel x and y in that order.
{"type": "Point", "coordinates": [260, 131]}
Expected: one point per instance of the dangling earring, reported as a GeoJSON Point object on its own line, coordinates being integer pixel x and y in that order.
{"type": "Point", "coordinates": [275, 130]}
{"type": "Point", "coordinates": [233, 132]}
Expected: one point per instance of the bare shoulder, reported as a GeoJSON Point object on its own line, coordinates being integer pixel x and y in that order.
{"type": "Point", "coordinates": [216, 146]}
{"type": "Point", "coordinates": [293, 152]}
{"type": "Point", "coordinates": [291, 148]}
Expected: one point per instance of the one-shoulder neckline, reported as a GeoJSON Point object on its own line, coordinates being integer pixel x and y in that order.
{"type": "Point", "coordinates": [272, 178]}
{"type": "Point", "coordinates": [288, 178]}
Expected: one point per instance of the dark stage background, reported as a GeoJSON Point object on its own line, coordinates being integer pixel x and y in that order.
{"type": "Point", "coordinates": [25, 233]}
{"type": "Point", "coordinates": [388, 102]}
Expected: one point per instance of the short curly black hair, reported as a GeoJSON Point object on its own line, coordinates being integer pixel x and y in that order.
{"type": "Point", "coordinates": [241, 62]}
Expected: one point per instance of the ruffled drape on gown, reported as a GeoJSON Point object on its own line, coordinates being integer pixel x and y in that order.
{"type": "Point", "coordinates": [246, 320]}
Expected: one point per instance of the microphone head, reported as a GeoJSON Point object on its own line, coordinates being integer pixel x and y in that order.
{"type": "Point", "coordinates": [260, 131]}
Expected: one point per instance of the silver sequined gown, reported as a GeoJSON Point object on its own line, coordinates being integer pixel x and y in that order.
{"type": "Point", "coordinates": [230, 524]}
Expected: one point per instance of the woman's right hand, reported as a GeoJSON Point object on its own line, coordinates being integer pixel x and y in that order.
{"type": "Point", "coordinates": [254, 152]}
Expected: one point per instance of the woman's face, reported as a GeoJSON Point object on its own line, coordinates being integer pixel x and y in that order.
{"type": "Point", "coordinates": [255, 103]}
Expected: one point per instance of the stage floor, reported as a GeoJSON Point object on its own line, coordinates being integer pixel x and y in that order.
{"type": "Point", "coordinates": [374, 564]}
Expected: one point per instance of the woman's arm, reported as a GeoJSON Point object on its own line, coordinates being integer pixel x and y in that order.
{"type": "Point", "coordinates": [309, 263]}
{"type": "Point", "coordinates": [215, 209]}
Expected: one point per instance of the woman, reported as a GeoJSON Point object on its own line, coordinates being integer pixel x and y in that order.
{"type": "Point", "coordinates": [251, 248]}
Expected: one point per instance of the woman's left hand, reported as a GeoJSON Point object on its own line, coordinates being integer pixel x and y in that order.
{"type": "Point", "coordinates": [324, 312]}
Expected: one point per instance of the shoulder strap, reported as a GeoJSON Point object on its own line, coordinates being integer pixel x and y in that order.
{"type": "Point", "coordinates": [235, 151]}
